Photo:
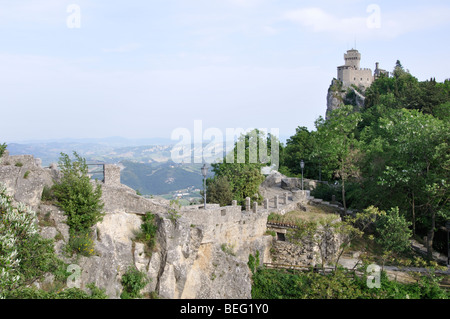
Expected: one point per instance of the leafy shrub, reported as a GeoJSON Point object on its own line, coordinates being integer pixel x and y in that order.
{"type": "Point", "coordinates": [133, 281]}
{"type": "Point", "coordinates": [24, 255]}
{"type": "Point", "coordinates": [147, 233]}
{"type": "Point", "coordinates": [2, 149]}
{"type": "Point", "coordinates": [76, 195]}
{"type": "Point", "coordinates": [81, 243]}
{"type": "Point", "coordinates": [253, 262]}
{"type": "Point", "coordinates": [47, 194]}
{"type": "Point", "coordinates": [37, 257]}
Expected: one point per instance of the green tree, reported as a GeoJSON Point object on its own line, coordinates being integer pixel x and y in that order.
{"type": "Point", "coordinates": [219, 191]}
{"type": "Point", "coordinates": [242, 166]}
{"type": "Point", "coordinates": [398, 69]}
{"type": "Point", "coordinates": [338, 145]}
{"type": "Point", "coordinates": [393, 231]}
{"type": "Point", "coordinates": [76, 195]}
{"type": "Point", "coordinates": [300, 146]}
{"type": "Point", "coordinates": [407, 156]}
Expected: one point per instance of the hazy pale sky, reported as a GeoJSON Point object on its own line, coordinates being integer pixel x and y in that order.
{"type": "Point", "coordinates": [141, 69]}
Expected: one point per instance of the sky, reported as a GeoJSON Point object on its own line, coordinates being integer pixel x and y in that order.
{"type": "Point", "coordinates": [142, 69]}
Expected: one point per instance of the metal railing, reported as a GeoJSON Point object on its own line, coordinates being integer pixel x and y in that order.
{"type": "Point", "coordinates": [99, 169]}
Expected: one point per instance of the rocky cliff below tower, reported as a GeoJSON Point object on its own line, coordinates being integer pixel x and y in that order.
{"type": "Point", "coordinates": [340, 94]}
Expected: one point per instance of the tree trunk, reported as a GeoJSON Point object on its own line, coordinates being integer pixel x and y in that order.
{"type": "Point", "coordinates": [430, 236]}
{"type": "Point", "coordinates": [343, 196]}
{"type": "Point", "coordinates": [413, 216]}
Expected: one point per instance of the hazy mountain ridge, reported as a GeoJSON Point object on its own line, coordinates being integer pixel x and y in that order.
{"type": "Point", "coordinates": [147, 168]}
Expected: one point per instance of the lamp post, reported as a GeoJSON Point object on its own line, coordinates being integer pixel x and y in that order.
{"type": "Point", "coordinates": [447, 226]}
{"type": "Point", "coordinates": [320, 170]}
{"type": "Point", "coordinates": [204, 173]}
{"type": "Point", "coordinates": [302, 165]}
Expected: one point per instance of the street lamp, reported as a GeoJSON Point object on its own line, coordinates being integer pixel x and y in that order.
{"type": "Point", "coordinates": [204, 173]}
{"type": "Point", "coordinates": [302, 165]}
{"type": "Point", "coordinates": [447, 226]}
{"type": "Point", "coordinates": [320, 170]}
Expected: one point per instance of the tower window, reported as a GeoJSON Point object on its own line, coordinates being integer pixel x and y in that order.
{"type": "Point", "coordinates": [281, 237]}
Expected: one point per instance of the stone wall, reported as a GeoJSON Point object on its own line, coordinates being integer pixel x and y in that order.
{"type": "Point", "coordinates": [306, 253]}
{"type": "Point", "coordinates": [121, 198]}
{"type": "Point", "coordinates": [112, 175]}
{"type": "Point", "coordinates": [295, 183]}
{"type": "Point", "coordinates": [242, 232]}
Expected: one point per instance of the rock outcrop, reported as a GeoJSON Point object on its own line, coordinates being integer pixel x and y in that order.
{"type": "Point", "coordinates": [339, 94]}
{"type": "Point", "coordinates": [25, 178]}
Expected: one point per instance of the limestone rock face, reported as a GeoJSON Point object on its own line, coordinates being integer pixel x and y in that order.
{"type": "Point", "coordinates": [339, 94]}
{"type": "Point", "coordinates": [25, 178]}
{"type": "Point", "coordinates": [185, 266]}
{"type": "Point", "coordinates": [217, 275]}
{"type": "Point", "coordinates": [273, 180]}
{"type": "Point", "coordinates": [114, 252]}
{"type": "Point", "coordinates": [291, 183]}
{"type": "Point", "coordinates": [334, 97]}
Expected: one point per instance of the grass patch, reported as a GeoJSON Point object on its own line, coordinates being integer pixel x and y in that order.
{"type": "Point", "coordinates": [228, 249]}
{"type": "Point", "coordinates": [314, 213]}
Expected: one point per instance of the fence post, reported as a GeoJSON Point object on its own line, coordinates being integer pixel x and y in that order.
{"type": "Point", "coordinates": [266, 203]}
{"type": "Point", "coordinates": [247, 204]}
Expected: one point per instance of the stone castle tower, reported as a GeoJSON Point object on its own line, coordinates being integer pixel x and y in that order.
{"type": "Point", "coordinates": [351, 72]}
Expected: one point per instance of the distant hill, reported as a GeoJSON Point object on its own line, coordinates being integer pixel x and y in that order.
{"type": "Point", "coordinates": [147, 168]}
{"type": "Point", "coordinates": [160, 178]}
{"type": "Point", "coordinates": [93, 152]}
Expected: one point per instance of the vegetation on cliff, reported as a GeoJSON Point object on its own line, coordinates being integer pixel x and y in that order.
{"type": "Point", "coordinates": [80, 201]}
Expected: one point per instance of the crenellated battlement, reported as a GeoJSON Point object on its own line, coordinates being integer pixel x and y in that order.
{"type": "Point", "coordinates": [352, 74]}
